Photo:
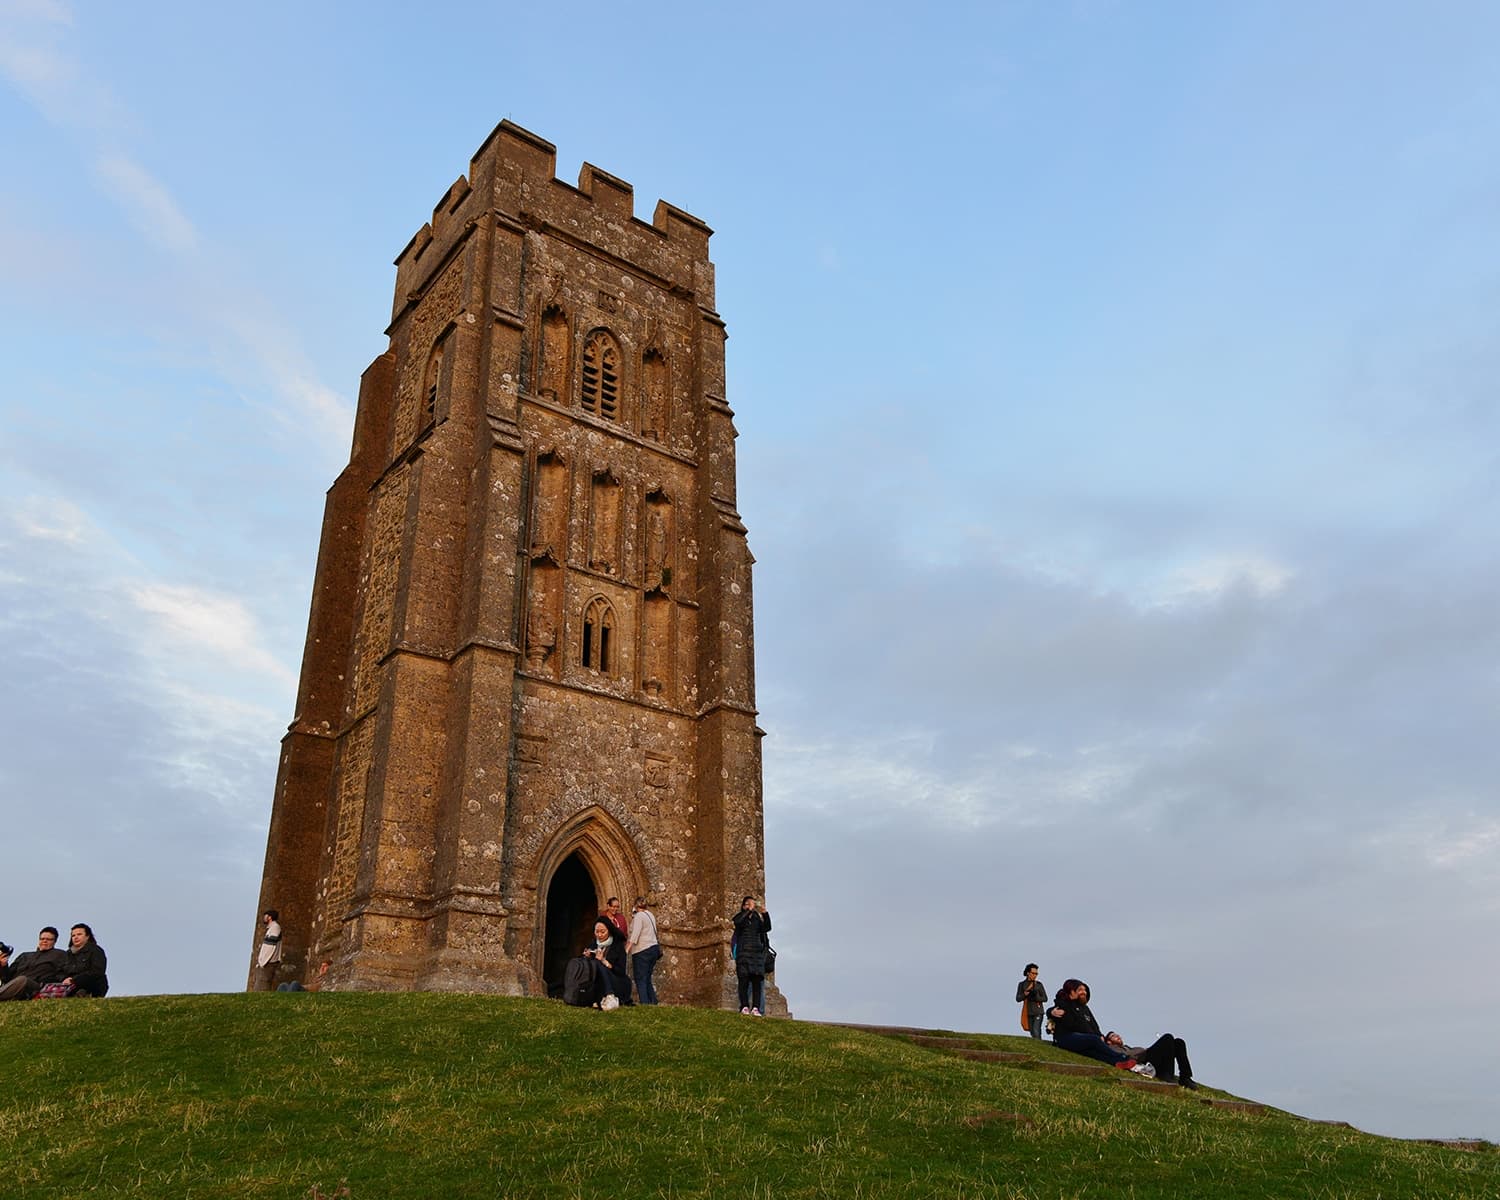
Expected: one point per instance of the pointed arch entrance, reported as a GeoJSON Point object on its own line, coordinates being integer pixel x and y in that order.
{"type": "Point", "coordinates": [588, 860]}
{"type": "Point", "coordinates": [572, 905]}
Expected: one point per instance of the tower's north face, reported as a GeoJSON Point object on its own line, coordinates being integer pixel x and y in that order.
{"type": "Point", "coordinates": [528, 684]}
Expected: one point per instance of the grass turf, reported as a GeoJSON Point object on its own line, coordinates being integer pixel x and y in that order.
{"type": "Point", "coordinates": [432, 1095]}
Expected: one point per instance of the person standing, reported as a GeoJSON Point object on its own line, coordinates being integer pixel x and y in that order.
{"type": "Point", "coordinates": [751, 924]}
{"type": "Point", "coordinates": [644, 950]}
{"type": "Point", "coordinates": [1031, 994]}
{"type": "Point", "coordinates": [614, 916]}
{"type": "Point", "coordinates": [268, 960]}
{"type": "Point", "coordinates": [620, 929]}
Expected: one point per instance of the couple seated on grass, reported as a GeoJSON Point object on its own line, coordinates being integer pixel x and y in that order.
{"type": "Point", "coordinates": [48, 973]}
{"type": "Point", "coordinates": [1075, 1029]}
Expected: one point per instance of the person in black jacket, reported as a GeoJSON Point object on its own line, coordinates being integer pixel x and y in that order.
{"type": "Point", "coordinates": [86, 963]}
{"type": "Point", "coordinates": [1031, 994]}
{"type": "Point", "coordinates": [608, 951]}
{"type": "Point", "coordinates": [34, 969]}
{"type": "Point", "coordinates": [751, 924]}
{"type": "Point", "coordinates": [1075, 1029]}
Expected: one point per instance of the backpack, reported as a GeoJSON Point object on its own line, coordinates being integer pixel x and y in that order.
{"type": "Point", "coordinates": [578, 981]}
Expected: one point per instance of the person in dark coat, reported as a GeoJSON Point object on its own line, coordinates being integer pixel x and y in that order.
{"type": "Point", "coordinates": [608, 951]}
{"type": "Point", "coordinates": [751, 924]}
{"type": "Point", "coordinates": [1031, 995]}
{"type": "Point", "coordinates": [1075, 1029]}
{"type": "Point", "coordinates": [86, 963]}
{"type": "Point", "coordinates": [33, 970]}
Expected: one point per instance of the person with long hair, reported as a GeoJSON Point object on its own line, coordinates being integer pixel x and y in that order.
{"type": "Point", "coordinates": [1075, 1030]}
{"type": "Point", "coordinates": [608, 950]}
{"type": "Point", "coordinates": [751, 924]}
{"type": "Point", "coordinates": [645, 949]}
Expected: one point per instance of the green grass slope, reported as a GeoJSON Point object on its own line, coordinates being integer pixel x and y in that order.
{"type": "Point", "coordinates": [424, 1096]}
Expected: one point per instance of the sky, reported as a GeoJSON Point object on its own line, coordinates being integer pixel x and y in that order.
{"type": "Point", "coordinates": [1116, 387]}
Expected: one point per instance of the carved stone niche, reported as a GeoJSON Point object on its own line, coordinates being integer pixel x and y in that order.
{"type": "Point", "coordinates": [661, 538]}
{"type": "Point", "coordinates": [604, 523]}
{"type": "Point", "coordinates": [543, 617]}
{"type": "Point", "coordinates": [553, 354]}
{"type": "Point", "coordinates": [657, 656]}
{"type": "Point", "coordinates": [549, 509]}
{"type": "Point", "coordinates": [656, 396]}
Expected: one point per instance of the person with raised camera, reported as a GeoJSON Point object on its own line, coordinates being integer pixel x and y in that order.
{"type": "Point", "coordinates": [751, 924]}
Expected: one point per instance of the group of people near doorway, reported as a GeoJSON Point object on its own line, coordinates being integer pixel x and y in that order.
{"type": "Point", "coordinates": [1074, 1028]}
{"type": "Point", "coordinates": [50, 972]}
{"type": "Point", "coordinates": [615, 942]}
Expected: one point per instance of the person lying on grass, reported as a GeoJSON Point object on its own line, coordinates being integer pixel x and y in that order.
{"type": "Point", "coordinates": [1167, 1055]}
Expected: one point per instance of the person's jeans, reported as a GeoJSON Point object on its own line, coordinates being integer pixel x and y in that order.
{"type": "Point", "coordinates": [1091, 1045]}
{"type": "Point", "coordinates": [753, 992]}
{"type": "Point", "coordinates": [1036, 1025]}
{"type": "Point", "coordinates": [642, 963]}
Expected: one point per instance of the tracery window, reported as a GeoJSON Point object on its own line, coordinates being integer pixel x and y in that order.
{"type": "Point", "coordinates": [598, 628]}
{"type": "Point", "coordinates": [601, 375]}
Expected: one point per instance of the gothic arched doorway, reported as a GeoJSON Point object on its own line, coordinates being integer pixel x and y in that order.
{"type": "Point", "coordinates": [591, 858]}
{"type": "Point", "coordinates": [572, 905]}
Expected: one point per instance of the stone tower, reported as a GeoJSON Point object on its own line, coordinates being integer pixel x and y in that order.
{"type": "Point", "coordinates": [528, 683]}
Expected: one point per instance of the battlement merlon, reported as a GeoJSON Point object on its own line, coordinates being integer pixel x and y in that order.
{"type": "Point", "coordinates": [513, 174]}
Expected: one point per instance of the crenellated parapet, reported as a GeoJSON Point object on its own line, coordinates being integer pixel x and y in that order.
{"type": "Point", "coordinates": [513, 176]}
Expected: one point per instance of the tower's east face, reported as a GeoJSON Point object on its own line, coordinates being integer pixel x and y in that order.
{"type": "Point", "coordinates": [528, 683]}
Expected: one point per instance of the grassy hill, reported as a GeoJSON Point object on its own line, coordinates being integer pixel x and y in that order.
{"type": "Point", "coordinates": [463, 1096]}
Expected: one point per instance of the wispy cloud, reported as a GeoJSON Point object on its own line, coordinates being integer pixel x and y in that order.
{"type": "Point", "coordinates": [35, 60]}
{"type": "Point", "coordinates": [196, 619]}
{"type": "Point", "coordinates": [148, 203]}
{"type": "Point", "coordinates": [1215, 575]}
{"type": "Point", "coordinates": [51, 520]}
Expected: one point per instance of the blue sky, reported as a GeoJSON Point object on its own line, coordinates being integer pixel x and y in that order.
{"type": "Point", "coordinates": [1117, 396]}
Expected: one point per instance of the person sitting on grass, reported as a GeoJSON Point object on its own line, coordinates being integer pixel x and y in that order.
{"type": "Point", "coordinates": [608, 951]}
{"type": "Point", "coordinates": [33, 970]}
{"type": "Point", "coordinates": [83, 967]}
{"type": "Point", "coordinates": [1075, 1030]}
{"type": "Point", "coordinates": [1167, 1055]}
{"type": "Point", "coordinates": [316, 985]}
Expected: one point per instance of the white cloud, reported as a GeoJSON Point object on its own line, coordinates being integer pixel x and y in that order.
{"type": "Point", "coordinates": [51, 520]}
{"type": "Point", "coordinates": [1212, 577]}
{"type": "Point", "coordinates": [222, 625]}
{"type": "Point", "coordinates": [51, 80]}
{"type": "Point", "coordinates": [1447, 845]}
{"type": "Point", "coordinates": [148, 202]}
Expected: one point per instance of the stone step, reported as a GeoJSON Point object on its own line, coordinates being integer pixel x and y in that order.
{"type": "Point", "coordinates": [995, 1056]}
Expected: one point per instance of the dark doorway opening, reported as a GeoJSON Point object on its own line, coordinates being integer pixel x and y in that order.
{"type": "Point", "coordinates": [572, 906]}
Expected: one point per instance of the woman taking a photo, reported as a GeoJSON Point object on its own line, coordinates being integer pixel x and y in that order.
{"type": "Point", "coordinates": [751, 924]}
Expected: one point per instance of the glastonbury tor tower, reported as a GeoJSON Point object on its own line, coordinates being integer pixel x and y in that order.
{"type": "Point", "coordinates": [528, 683]}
